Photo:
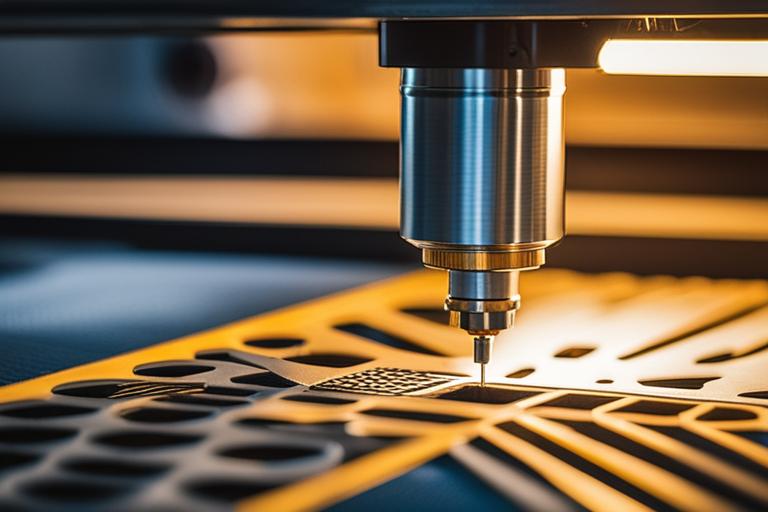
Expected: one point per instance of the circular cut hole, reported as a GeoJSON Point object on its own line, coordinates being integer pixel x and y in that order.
{"type": "Point", "coordinates": [270, 453]}
{"type": "Point", "coordinates": [148, 440]}
{"type": "Point", "coordinates": [37, 410]}
{"type": "Point", "coordinates": [171, 369]}
{"type": "Point", "coordinates": [315, 427]}
{"type": "Point", "coordinates": [318, 399]}
{"type": "Point", "coordinates": [204, 400]}
{"type": "Point", "coordinates": [162, 415]}
{"type": "Point", "coordinates": [28, 434]}
{"type": "Point", "coordinates": [227, 391]}
{"type": "Point", "coordinates": [329, 359]}
{"type": "Point", "coordinates": [275, 343]}
{"type": "Point", "coordinates": [116, 468]}
{"type": "Point", "coordinates": [15, 459]}
{"type": "Point", "coordinates": [72, 491]}
{"type": "Point", "coordinates": [227, 490]}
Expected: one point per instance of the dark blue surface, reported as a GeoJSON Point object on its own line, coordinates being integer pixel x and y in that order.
{"type": "Point", "coordinates": [442, 484]}
{"type": "Point", "coordinates": [64, 305]}
{"type": "Point", "coordinates": [755, 437]}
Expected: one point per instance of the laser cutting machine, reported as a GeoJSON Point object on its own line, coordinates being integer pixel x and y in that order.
{"type": "Point", "coordinates": [483, 195]}
{"type": "Point", "coordinates": [482, 151]}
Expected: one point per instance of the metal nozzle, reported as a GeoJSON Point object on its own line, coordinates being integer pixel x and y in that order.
{"type": "Point", "coordinates": [483, 346]}
{"type": "Point", "coordinates": [482, 303]}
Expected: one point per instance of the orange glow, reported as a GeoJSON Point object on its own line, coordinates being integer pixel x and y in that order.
{"type": "Point", "coordinates": [673, 57]}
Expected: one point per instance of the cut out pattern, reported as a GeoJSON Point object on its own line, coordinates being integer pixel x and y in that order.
{"type": "Point", "coordinates": [487, 395]}
{"type": "Point", "coordinates": [270, 453]}
{"type": "Point", "coordinates": [226, 491]}
{"type": "Point", "coordinates": [727, 414]}
{"type": "Point", "coordinates": [208, 401]}
{"type": "Point", "coordinates": [679, 383]}
{"type": "Point", "coordinates": [574, 352]}
{"type": "Point", "coordinates": [756, 394]}
{"type": "Point", "coordinates": [69, 491]}
{"type": "Point", "coordinates": [657, 408]}
{"type": "Point", "coordinates": [30, 434]}
{"type": "Point", "coordinates": [519, 374]}
{"type": "Point", "coordinates": [730, 356]}
{"type": "Point", "coordinates": [266, 379]}
{"type": "Point", "coordinates": [587, 402]}
{"type": "Point", "coordinates": [171, 369]}
{"type": "Point", "coordinates": [275, 343]}
{"type": "Point", "coordinates": [42, 410]}
{"type": "Point", "coordinates": [318, 399]}
{"type": "Point", "coordinates": [416, 416]}
{"type": "Point", "coordinates": [114, 467]}
{"type": "Point", "coordinates": [236, 423]}
{"type": "Point", "coordinates": [329, 359]}
{"type": "Point", "coordinates": [138, 440]}
{"type": "Point", "coordinates": [162, 415]}
{"type": "Point", "coordinates": [14, 459]}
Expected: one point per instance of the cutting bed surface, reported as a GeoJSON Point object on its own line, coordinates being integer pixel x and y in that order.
{"type": "Point", "coordinates": [613, 393]}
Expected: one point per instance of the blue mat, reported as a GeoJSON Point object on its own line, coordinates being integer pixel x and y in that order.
{"type": "Point", "coordinates": [67, 304]}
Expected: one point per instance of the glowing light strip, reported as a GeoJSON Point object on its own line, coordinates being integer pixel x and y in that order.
{"type": "Point", "coordinates": [676, 57]}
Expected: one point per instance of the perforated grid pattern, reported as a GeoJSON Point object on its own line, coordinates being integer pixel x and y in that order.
{"type": "Point", "coordinates": [385, 381]}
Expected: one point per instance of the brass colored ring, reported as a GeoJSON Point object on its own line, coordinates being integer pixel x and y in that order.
{"type": "Point", "coordinates": [465, 260]}
{"type": "Point", "coordinates": [481, 306]}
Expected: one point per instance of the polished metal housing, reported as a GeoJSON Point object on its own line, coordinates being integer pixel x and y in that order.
{"type": "Point", "coordinates": [482, 158]}
{"type": "Point", "coordinates": [482, 181]}
{"type": "Point", "coordinates": [490, 285]}
{"type": "Point", "coordinates": [482, 303]}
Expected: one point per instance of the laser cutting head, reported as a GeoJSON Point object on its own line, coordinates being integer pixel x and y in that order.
{"type": "Point", "coordinates": [482, 182]}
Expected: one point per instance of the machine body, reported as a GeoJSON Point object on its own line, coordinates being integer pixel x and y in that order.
{"type": "Point", "coordinates": [482, 182]}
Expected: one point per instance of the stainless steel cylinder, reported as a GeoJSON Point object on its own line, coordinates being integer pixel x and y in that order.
{"type": "Point", "coordinates": [482, 302]}
{"type": "Point", "coordinates": [482, 158]}
{"type": "Point", "coordinates": [484, 285]}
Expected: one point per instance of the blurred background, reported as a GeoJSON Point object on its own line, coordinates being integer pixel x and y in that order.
{"type": "Point", "coordinates": [153, 186]}
{"type": "Point", "coordinates": [326, 85]}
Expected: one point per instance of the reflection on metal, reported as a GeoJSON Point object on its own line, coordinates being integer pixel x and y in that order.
{"type": "Point", "coordinates": [482, 163]}
{"type": "Point", "coordinates": [613, 393]}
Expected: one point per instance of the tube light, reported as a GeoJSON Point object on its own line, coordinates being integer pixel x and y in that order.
{"type": "Point", "coordinates": [685, 57]}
